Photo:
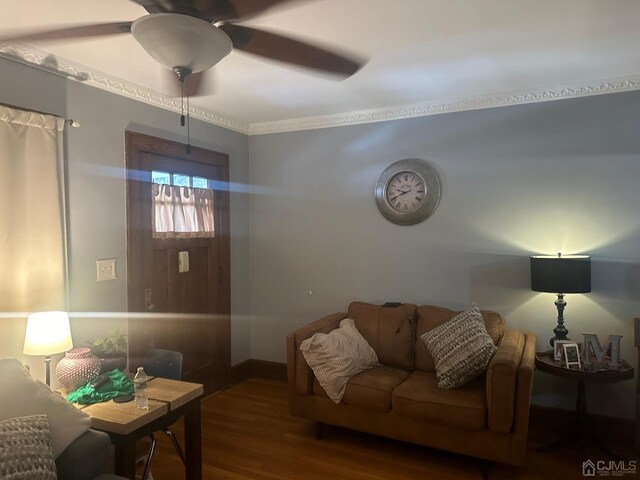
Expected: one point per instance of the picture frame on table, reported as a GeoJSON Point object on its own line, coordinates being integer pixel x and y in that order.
{"type": "Point", "coordinates": [558, 353]}
{"type": "Point", "coordinates": [572, 355]}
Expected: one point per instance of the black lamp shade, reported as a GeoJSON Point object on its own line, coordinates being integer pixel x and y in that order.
{"type": "Point", "coordinates": [553, 274]}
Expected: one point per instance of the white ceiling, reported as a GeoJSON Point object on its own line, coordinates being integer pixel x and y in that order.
{"type": "Point", "coordinates": [424, 56]}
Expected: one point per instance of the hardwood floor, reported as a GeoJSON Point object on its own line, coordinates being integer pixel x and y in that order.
{"type": "Point", "coordinates": [247, 434]}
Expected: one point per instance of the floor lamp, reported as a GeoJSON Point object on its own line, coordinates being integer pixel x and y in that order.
{"type": "Point", "coordinates": [47, 333]}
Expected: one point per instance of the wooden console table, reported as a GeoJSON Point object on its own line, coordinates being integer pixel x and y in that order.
{"type": "Point", "coordinates": [168, 401]}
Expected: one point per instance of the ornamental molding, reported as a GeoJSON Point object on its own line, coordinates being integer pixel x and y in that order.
{"type": "Point", "coordinates": [42, 60]}
{"type": "Point", "coordinates": [60, 66]}
{"type": "Point", "coordinates": [521, 97]}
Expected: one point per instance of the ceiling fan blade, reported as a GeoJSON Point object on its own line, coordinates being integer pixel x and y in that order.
{"type": "Point", "coordinates": [211, 10]}
{"type": "Point", "coordinates": [81, 31]}
{"type": "Point", "coordinates": [183, 7]}
{"type": "Point", "coordinates": [197, 84]}
{"type": "Point", "coordinates": [288, 50]}
{"type": "Point", "coordinates": [250, 8]}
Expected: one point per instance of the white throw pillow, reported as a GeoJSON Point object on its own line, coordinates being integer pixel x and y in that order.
{"type": "Point", "coordinates": [21, 395]}
{"type": "Point", "coordinates": [338, 355]}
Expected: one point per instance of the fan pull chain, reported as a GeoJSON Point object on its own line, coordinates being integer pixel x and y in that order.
{"type": "Point", "coordinates": [182, 102]}
{"type": "Point", "coordinates": [188, 123]}
{"type": "Point", "coordinates": [183, 75]}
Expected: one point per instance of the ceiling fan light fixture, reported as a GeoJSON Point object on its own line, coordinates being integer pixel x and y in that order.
{"type": "Point", "coordinates": [175, 40]}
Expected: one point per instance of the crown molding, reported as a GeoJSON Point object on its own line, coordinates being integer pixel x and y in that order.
{"type": "Point", "coordinates": [520, 97]}
{"type": "Point", "coordinates": [42, 60]}
{"type": "Point", "coordinates": [60, 66]}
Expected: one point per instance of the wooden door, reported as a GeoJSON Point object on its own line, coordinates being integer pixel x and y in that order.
{"type": "Point", "coordinates": [187, 311]}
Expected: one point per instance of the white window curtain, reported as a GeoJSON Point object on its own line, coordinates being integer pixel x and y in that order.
{"type": "Point", "coordinates": [182, 212]}
{"type": "Point", "coordinates": [32, 220]}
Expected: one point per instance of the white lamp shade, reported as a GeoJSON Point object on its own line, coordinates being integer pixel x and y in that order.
{"type": "Point", "coordinates": [47, 333]}
{"type": "Point", "coordinates": [175, 40]}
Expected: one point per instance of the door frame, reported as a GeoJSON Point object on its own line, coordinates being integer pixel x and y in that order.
{"type": "Point", "coordinates": [137, 144]}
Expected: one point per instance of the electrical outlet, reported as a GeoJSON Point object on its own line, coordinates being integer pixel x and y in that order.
{"type": "Point", "coordinates": [106, 269]}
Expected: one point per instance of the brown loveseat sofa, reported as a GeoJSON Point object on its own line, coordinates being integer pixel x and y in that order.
{"type": "Point", "coordinates": [487, 418]}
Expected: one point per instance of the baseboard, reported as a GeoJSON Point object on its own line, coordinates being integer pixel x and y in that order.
{"type": "Point", "coordinates": [258, 369]}
{"type": "Point", "coordinates": [240, 371]}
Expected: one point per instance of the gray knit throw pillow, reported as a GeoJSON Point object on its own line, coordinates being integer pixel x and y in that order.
{"type": "Point", "coordinates": [25, 449]}
{"type": "Point", "coordinates": [461, 348]}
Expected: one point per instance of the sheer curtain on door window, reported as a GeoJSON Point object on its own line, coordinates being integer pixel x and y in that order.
{"type": "Point", "coordinates": [32, 221]}
{"type": "Point", "coordinates": [182, 212]}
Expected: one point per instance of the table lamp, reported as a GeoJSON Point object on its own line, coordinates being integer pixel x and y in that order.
{"type": "Point", "coordinates": [47, 333]}
{"type": "Point", "coordinates": [560, 275]}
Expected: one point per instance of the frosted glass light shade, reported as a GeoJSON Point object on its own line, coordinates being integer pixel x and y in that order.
{"type": "Point", "coordinates": [47, 333]}
{"type": "Point", "coordinates": [175, 40]}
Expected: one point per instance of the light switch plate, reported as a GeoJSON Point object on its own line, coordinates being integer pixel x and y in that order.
{"type": "Point", "coordinates": [183, 262]}
{"type": "Point", "coordinates": [106, 269]}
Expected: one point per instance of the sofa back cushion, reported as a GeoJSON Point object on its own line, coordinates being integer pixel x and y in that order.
{"type": "Point", "coordinates": [389, 330]}
{"type": "Point", "coordinates": [430, 316]}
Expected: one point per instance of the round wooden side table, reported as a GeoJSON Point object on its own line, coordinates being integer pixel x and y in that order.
{"type": "Point", "coordinates": [581, 430]}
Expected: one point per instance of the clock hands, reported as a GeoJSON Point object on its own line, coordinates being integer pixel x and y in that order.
{"type": "Point", "coordinates": [400, 194]}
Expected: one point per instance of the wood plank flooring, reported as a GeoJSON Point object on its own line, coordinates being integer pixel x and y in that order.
{"type": "Point", "coordinates": [248, 434]}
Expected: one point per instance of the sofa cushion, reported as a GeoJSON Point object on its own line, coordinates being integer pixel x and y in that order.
{"type": "Point", "coordinates": [21, 395]}
{"type": "Point", "coordinates": [389, 330]}
{"type": "Point", "coordinates": [430, 316]}
{"type": "Point", "coordinates": [461, 348]}
{"type": "Point", "coordinates": [25, 449]}
{"type": "Point", "coordinates": [372, 388]}
{"type": "Point", "coordinates": [337, 356]}
{"type": "Point", "coordinates": [419, 397]}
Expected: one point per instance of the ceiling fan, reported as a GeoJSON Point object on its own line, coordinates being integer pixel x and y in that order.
{"type": "Point", "coordinates": [190, 36]}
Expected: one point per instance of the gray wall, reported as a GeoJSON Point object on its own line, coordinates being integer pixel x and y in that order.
{"type": "Point", "coordinates": [96, 197]}
{"type": "Point", "coordinates": [534, 179]}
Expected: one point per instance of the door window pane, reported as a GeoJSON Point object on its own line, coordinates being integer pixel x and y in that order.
{"type": "Point", "coordinates": [199, 182]}
{"type": "Point", "coordinates": [180, 180]}
{"type": "Point", "coordinates": [163, 178]}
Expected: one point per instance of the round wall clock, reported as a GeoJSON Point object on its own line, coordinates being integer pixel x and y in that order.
{"type": "Point", "coordinates": [408, 191]}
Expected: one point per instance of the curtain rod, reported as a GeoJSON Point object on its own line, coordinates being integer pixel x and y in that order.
{"type": "Point", "coordinates": [68, 121]}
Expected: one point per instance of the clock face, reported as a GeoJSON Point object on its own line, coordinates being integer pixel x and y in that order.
{"type": "Point", "coordinates": [406, 192]}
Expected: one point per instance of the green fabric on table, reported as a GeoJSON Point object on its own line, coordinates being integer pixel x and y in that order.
{"type": "Point", "coordinates": [118, 384]}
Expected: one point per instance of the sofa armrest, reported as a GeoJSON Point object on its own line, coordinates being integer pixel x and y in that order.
{"type": "Point", "coordinates": [300, 376]}
{"type": "Point", "coordinates": [525, 385]}
{"type": "Point", "coordinates": [85, 458]}
{"type": "Point", "coordinates": [502, 381]}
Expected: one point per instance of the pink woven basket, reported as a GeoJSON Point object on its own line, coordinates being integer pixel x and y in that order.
{"type": "Point", "coordinates": [77, 367]}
